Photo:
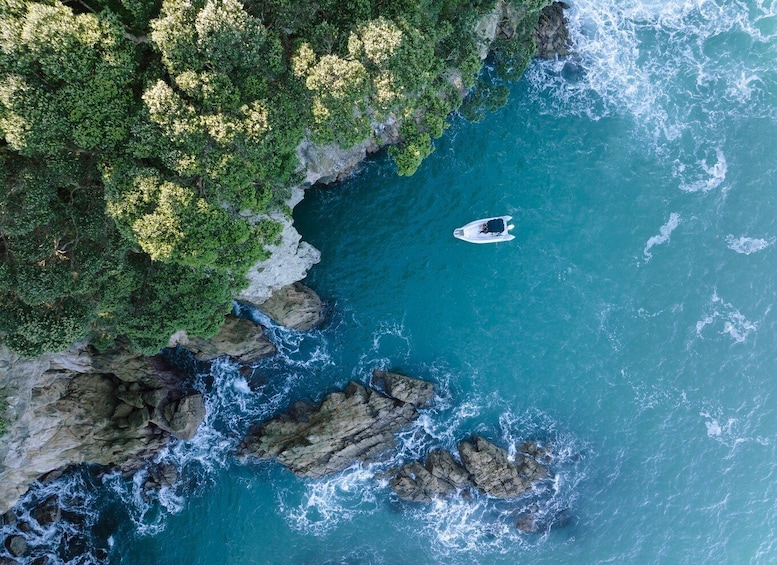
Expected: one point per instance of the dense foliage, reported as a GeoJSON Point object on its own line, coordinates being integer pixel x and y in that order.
{"type": "Point", "coordinates": [141, 139]}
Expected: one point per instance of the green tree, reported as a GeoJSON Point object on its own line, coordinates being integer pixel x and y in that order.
{"type": "Point", "coordinates": [143, 142]}
{"type": "Point", "coordinates": [65, 80]}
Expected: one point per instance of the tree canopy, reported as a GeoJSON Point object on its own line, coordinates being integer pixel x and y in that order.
{"type": "Point", "coordinates": [141, 139]}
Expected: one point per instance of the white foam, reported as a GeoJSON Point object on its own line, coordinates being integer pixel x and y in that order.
{"type": "Point", "coordinates": [734, 323]}
{"type": "Point", "coordinates": [648, 61]}
{"type": "Point", "coordinates": [747, 245]}
{"type": "Point", "coordinates": [663, 235]}
{"type": "Point", "coordinates": [326, 503]}
{"type": "Point", "coordinates": [733, 431]}
{"type": "Point", "coordinates": [715, 175]}
{"type": "Point", "coordinates": [713, 428]}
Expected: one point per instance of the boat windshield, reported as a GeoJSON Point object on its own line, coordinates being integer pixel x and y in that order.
{"type": "Point", "coordinates": [495, 226]}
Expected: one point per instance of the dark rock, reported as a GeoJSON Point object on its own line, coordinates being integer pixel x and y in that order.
{"type": "Point", "coordinates": [16, 545]}
{"type": "Point", "coordinates": [8, 561]}
{"type": "Point", "coordinates": [492, 471]}
{"type": "Point", "coordinates": [551, 34]}
{"type": "Point", "coordinates": [8, 519]}
{"type": "Point", "coordinates": [161, 475]}
{"type": "Point", "coordinates": [181, 418]}
{"type": "Point", "coordinates": [355, 425]}
{"type": "Point", "coordinates": [440, 476]}
{"type": "Point", "coordinates": [527, 523]}
{"type": "Point", "coordinates": [294, 306]}
{"type": "Point", "coordinates": [48, 512]}
{"type": "Point", "coordinates": [407, 389]}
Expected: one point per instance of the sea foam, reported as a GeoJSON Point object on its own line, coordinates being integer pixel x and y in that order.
{"type": "Point", "coordinates": [663, 235]}
{"type": "Point", "coordinates": [747, 245]}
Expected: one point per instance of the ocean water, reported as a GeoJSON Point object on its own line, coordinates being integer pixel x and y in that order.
{"type": "Point", "coordinates": [630, 325]}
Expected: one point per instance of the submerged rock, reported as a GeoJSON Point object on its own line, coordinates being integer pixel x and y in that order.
{"type": "Point", "coordinates": [48, 512]}
{"type": "Point", "coordinates": [160, 475]}
{"type": "Point", "coordinates": [16, 545]}
{"type": "Point", "coordinates": [355, 425]}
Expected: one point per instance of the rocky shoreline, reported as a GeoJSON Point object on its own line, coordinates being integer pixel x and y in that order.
{"type": "Point", "coordinates": [118, 409]}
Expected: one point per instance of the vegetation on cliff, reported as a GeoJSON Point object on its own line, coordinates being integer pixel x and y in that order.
{"type": "Point", "coordinates": [141, 139]}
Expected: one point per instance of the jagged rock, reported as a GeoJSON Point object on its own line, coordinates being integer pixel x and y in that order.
{"type": "Point", "coordinates": [76, 407]}
{"type": "Point", "coordinates": [131, 367]}
{"type": "Point", "coordinates": [16, 545]}
{"type": "Point", "coordinates": [48, 512]}
{"type": "Point", "coordinates": [294, 306]}
{"type": "Point", "coordinates": [551, 34]}
{"type": "Point", "coordinates": [122, 411]}
{"type": "Point", "coordinates": [8, 561]}
{"type": "Point", "coordinates": [407, 389]}
{"type": "Point", "coordinates": [160, 475]}
{"type": "Point", "coordinates": [414, 483]}
{"type": "Point", "coordinates": [188, 417]}
{"type": "Point", "coordinates": [440, 476]}
{"type": "Point", "coordinates": [441, 464]}
{"type": "Point", "coordinates": [357, 424]}
{"type": "Point", "coordinates": [492, 471]}
{"type": "Point", "coordinates": [132, 397]}
{"type": "Point", "coordinates": [181, 417]}
{"type": "Point", "coordinates": [238, 338]}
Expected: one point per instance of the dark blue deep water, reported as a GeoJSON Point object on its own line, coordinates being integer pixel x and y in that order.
{"type": "Point", "coordinates": [631, 324]}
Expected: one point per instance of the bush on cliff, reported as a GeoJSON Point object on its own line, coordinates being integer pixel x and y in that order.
{"type": "Point", "coordinates": [137, 138]}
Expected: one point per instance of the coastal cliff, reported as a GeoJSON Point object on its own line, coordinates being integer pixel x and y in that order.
{"type": "Point", "coordinates": [118, 408]}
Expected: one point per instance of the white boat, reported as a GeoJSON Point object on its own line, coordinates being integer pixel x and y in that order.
{"type": "Point", "coordinates": [487, 230]}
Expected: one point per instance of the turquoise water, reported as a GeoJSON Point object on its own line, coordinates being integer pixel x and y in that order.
{"type": "Point", "coordinates": [630, 324]}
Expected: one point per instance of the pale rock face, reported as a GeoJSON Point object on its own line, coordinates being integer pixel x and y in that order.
{"type": "Point", "coordinates": [290, 261]}
{"type": "Point", "coordinates": [292, 258]}
{"type": "Point", "coordinates": [485, 29]}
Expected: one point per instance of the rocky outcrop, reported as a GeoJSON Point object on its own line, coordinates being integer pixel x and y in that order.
{"type": "Point", "coordinates": [483, 466]}
{"type": "Point", "coordinates": [238, 338]}
{"type": "Point", "coordinates": [407, 389]}
{"type": "Point", "coordinates": [492, 471]}
{"type": "Point", "coordinates": [289, 262]}
{"type": "Point", "coordinates": [355, 425]}
{"type": "Point", "coordinates": [112, 409]}
{"type": "Point", "coordinates": [359, 424]}
{"type": "Point", "coordinates": [438, 477]}
{"type": "Point", "coordinates": [294, 306]}
{"type": "Point", "coordinates": [551, 34]}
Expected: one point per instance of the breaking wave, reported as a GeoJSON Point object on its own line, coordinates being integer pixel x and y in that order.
{"type": "Point", "coordinates": [658, 65]}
